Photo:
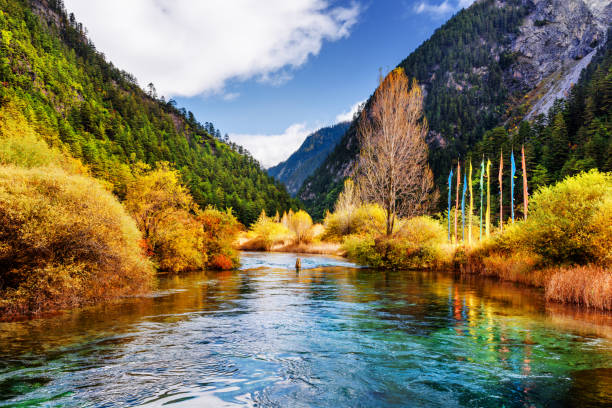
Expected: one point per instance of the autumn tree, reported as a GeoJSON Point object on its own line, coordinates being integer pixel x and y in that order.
{"type": "Point", "coordinates": [300, 224]}
{"type": "Point", "coordinates": [392, 169]}
{"type": "Point", "coordinates": [165, 213]}
{"type": "Point", "coordinates": [156, 195]}
{"type": "Point", "coordinates": [347, 203]}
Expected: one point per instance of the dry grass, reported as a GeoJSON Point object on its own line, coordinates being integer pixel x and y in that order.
{"type": "Point", "coordinates": [588, 286]}
{"type": "Point", "coordinates": [320, 248]}
{"type": "Point", "coordinates": [519, 267]}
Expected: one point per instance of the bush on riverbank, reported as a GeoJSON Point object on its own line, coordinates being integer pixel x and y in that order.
{"type": "Point", "coordinates": [220, 230]}
{"type": "Point", "coordinates": [179, 235]}
{"type": "Point", "coordinates": [64, 241]}
{"type": "Point", "coordinates": [359, 220]}
{"type": "Point", "coordinates": [293, 232]}
{"type": "Point", "coordinates": [419, 244]}
{"type": "Point", "coordinates": [265, 234]}
{"type": "Point", "coordinates": [569, 222]}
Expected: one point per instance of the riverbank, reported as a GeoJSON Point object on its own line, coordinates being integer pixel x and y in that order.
{"type": "Point", "coordinates": [588, 286]}
{"type": "Point", "coordinates": [563, 246]}
{"type": "Point", "coordinates": [315, 248]}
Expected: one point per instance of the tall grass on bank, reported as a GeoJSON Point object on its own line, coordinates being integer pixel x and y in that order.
{"type": "Point", "coordinates": [588, 286]}
{"type": "Point", "coordinates": [64, 241]}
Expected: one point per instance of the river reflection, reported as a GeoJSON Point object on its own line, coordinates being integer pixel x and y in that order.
{"type": "Point", "coordinates": [327, 336]}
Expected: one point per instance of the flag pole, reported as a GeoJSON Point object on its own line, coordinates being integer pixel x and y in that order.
{"type": "Point", "coordinates": [501, 202]}
{"type": "Point", "coordinates": [457, 199]}
{"type": "Point", "coordinates": [512, 173]}
{"type": "Point", "coordinates": [463, 207]}
{"type": "Point", "coordinates": [525, 193]}
{"type": "Point", "coordinates": [482, 169]}
{"type": "Point", "coordinates": [471, 206]}
{"type": "Point", "coordinates": [488, 215]}
{"type": "Point", "coordinates": [450, 189]}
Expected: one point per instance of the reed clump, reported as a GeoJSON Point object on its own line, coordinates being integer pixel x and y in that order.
{"type": "Point", "coordinates": [589, 286]}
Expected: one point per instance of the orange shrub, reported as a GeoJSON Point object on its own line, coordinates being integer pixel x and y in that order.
{"type": "Point", "coordinates": [220, 230]}
{"type": "Point", "coordinates": [221, 262]}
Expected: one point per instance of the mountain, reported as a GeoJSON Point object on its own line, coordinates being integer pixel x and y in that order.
{"type": "Point", "coordinates": [301, 164]}
{"type": "Point", "coordinates": [52, 73]}
{"type": "Point", "coordinates": [493, 64]}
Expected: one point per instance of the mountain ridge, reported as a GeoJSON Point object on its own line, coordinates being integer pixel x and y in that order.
{"type": "Point", "coordinates": [305, 160]}
{"type": "Point", "coordinates": [83, 103]}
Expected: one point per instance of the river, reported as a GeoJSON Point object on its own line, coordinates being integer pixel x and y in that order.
{"type": "Point", "coordinates": [331, 335]}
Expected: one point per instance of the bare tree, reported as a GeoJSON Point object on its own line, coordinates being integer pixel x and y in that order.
{"type": "Point", "coordinates": [392, 169]}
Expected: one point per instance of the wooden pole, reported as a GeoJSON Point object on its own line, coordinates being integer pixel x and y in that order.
{"type": "Point", "coordinates": [488, 215]}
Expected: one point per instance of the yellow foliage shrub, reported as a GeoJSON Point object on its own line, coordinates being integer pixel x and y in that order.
{"type": "Point", "coordinates": [316, 232]}
{"type": "Point", "coordinates": [179, 243]}
{"type": "Point", "coordinates": [422, 231]}
{"type": "Point", "coordinates": [365, 219]}
{"type": "Point", "coordinates": [570, 222]}
{"type": "Point", "coordinates": [64, 241]}
{"type": "Point", "coordinates": [300, 224]}
{"type": "Point", "coordinates": [220, 231]}
{"type": "Point", "coordinates": [164, 212]}
{"type": "Point", "coordinates": [266, 233]}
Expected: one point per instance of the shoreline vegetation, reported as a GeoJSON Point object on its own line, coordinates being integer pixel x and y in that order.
{"type": "Point", "coordinates": [67, 241]}
{"type": "Point", "coordinates": [564, 247]}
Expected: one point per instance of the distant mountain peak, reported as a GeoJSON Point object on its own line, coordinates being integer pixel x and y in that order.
{"type": "Point", "coordinates": [301, 164]}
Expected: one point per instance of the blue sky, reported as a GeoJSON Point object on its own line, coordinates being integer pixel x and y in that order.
{"type": "Point", "coordinates": [266, 72]}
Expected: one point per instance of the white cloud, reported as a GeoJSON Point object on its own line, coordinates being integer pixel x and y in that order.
{"type": "Point", "coordinates": [190, 47]}
{"type": "Point", "coordinates": [230, 96]}
{"type": "Point", "coordinates": [348, 115]}
{"type": "Point", "coordinates": [272, 149]}
{"type": "Point", "coordinates": [446, 7]}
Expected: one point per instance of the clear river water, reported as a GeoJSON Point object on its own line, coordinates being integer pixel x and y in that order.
{"type": "Point", "coordinates": [331, 335]}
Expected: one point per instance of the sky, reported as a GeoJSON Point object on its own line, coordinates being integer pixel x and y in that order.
{"type": "Point", "coordinates": [266, 72]}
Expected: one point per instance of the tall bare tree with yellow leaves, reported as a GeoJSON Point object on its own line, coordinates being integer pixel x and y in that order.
{"type": "Point", "coordinates": [392, 169]}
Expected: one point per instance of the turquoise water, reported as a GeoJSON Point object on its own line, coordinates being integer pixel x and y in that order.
{"type": "Point", "coordinates": [329, 336]}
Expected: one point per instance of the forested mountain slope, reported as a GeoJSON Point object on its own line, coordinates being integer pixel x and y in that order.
{"type": "Point", "coordinates": [301, 164]}
{"type": "Point", "coordinates": [488, 66]}
{"type": "Point", "coordinates": [52, 73]}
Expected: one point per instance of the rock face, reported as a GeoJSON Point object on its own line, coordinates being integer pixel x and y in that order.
{"type": "Point", "coordinates": [556, 41]}
{"type": "Point", "coordinates": [301, 164]}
